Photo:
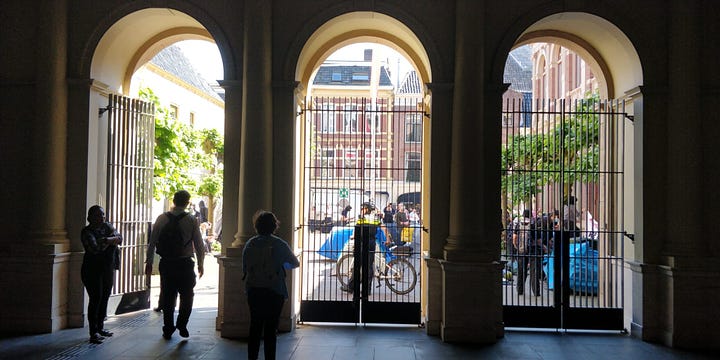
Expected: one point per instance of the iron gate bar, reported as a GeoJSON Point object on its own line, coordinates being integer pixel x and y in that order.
{"type": "Point", "coordinates": [130, 144]}
{"type": "Point", "coordinates": [582, 296]}
{"type": "Point", "coordinates": [341, 156]}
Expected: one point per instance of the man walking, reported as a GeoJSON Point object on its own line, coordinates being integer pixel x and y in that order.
{"type": "Point", "coordinates": [176, 236]}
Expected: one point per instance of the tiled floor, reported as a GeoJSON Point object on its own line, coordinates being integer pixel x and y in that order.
{"type": "Point", "coordinates": [138, 336]}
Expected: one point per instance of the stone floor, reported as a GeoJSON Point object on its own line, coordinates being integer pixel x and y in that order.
{"type": "Point", "coordinates": [138, 336]}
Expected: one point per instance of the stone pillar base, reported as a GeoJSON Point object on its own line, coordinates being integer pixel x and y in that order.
{"type": "Point", "coordinates": [676, 307]}
{"type": "Point", "coordinates": [434, 305]}
{"type": "Point", "coordinates": [235, 320]}
{"type": "Point", "coordinates": [37, 276]}
{"type": "Point", "coordinates": [472, 302]}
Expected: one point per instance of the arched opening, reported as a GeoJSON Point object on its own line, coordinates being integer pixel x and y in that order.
{"type": "Point", "coordinates": [159, 129]}
{"type": "Point", "coordinates": [361, 141]}
{"type": "Point", "coordinates": [568, 175]}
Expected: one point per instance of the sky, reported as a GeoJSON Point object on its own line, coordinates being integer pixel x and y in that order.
{"type": "Point", "coordinates": [205, 57]}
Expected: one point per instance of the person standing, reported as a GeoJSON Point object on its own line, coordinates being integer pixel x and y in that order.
{"type": "Point", "coordinates": [101, 259]}
{"type": "Point", "coordinates": [177, 268]}
{"type": "Point", "coordinates": [265, 258]}
{"type": "Point", "coordinates": [365, 218]}
{"type": "Point", "coordinates": [521, 242]}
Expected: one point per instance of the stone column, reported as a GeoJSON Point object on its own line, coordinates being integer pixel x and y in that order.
{"type": "Point", "coordinates": [438, 183]}
{"type": "Point", "coordinates": [691, 276]}
{"type": "Point", "coordinates": [256, 158]}
{"type": "Point", "coordinates": [471, 271]}
{"type": "Point", "coordinates": [231, 179]}
{"type": "Point", "coordinates": [37, 265]}
{"type": "Point", "coordinates": [77, 191]}
{"type": "Point", "coordinates": [284, 179]}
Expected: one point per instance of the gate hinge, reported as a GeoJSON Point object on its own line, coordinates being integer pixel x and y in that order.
{"type": "Point", "coordinates": [629, 236]}
{"type": "Point", "coordinates": [102, 110]}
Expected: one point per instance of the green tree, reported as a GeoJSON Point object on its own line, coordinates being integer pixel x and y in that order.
{"type": "Point", "coordinates": [180, 152]}
{"type": "Point", "coordinates": [210, 185]}
{"type": "Point", "coordinates": [567, 153]}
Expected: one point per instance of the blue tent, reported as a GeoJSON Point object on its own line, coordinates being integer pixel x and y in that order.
{"type": "Point", "coordinates": [583, 275]}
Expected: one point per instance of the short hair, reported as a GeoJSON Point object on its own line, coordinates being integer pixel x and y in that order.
{"type": "Point", "coordinates": [94, 210]}
{"type": "Point", "coordinates": [265, 222]}
{"type": "Point", "coordinates": [181, 198]}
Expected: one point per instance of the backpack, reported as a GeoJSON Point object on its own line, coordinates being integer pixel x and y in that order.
{"type": "Point", "coordinates": [169, 243]}
{"type": "Point", "coordinates": [260, 270]}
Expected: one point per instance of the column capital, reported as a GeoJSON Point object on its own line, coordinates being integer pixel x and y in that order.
{"type": "Point", "coordinates": [441, 87]}
{"type": "Point", "coordinates": [230, 84]}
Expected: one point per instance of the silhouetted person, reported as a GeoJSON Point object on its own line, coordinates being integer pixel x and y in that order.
{"type": "Point", "coordinates": [101, 259]}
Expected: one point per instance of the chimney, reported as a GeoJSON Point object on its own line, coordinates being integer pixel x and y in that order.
{"type": "Point", "coordinates": [368, 55]}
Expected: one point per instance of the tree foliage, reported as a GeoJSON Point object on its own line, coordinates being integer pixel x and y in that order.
{"type": "Point", "coordinates": [566, 153]}
{"type": "Point", "coordinates": [184, 158]}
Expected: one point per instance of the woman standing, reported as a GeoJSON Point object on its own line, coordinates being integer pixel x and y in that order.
{"type": "Point", "coordinates": [101, 259]}
{"type": "Point", "coordinates": [265, 258]}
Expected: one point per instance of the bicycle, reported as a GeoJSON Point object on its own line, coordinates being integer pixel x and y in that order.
{"type": "Point", "coordinates": [399, 274]}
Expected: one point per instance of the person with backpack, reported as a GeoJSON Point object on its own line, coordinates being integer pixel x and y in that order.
{"type": "Point", "coordinates": [264, 261]}
{"type": "Point", "coordinates": [176, 236]}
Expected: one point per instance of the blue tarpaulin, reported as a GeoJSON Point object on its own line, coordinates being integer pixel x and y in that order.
{"type": "Point", "coordinates": [583, 275]}
{"type": "Point", "coordinates": [339, 237]}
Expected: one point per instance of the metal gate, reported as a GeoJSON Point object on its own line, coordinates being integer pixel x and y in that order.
{"type": "Point", "coordinates": [360, 150]}
{"type": "Point", "coordinates": [562, 186]}
{"type": "Point", "coordinates": [131, 141]}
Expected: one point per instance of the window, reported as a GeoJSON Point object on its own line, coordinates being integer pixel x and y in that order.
{"type": "Point", "coordinates": [413, 166]}
{"type": "Point", "coordinates": [360, 76]}
{"type": "Point", "coordinates": [336, 76]}
{"type": "Point", "coordinates": [327, 163]}
{"type": "Point", "coordinates": [327, 118]}
{"type": "Point", "coordinates": [369, 116]}
{"type": "Point", "coordinates": [192, 119]}
{"type": "Point", "coordinates": [413, 128]}
{"type": "Point", "coordinates": [173, 112]}
{"type": "Point", "coordinates": [350, 168]}
{"type": "Point", "coordinates": [350, 121]}
{"type": "Point", "coordinates": [372, 165]}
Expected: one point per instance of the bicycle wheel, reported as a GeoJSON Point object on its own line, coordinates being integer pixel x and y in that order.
{"type": "Point", "coordinates": [400, 276]}
{"type": "Point", "coordinates": [344, 269]}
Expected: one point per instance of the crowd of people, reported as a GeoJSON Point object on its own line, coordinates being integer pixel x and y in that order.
{"type": "Point", "coordinates": [529, 238]}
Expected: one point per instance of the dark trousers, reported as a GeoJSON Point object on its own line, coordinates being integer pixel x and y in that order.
{"type": "Point", "coordinates": [265, 306]}
{"type": "Point", "coordinates": [177, 276]}
{"type": "Point", "coordinates": [98, 280]}
{"type": "Point", "coordinates": [531, 263]}
{"type": "Point", "coordinates": [371, 266]}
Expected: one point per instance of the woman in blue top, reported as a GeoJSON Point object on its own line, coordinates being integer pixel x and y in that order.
{"type": "Point", "coordinates": [266, 293]}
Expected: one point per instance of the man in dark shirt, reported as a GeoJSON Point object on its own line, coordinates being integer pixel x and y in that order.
{"type": "Point", "coordinates": [177, 273]}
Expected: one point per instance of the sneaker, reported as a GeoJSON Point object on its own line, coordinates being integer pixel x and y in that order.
{"type": "Point", "coordinates": [96, 339]}
{"type": "Point", "coordinates": [105, 333]}
{"type": "Point", "coordinates": [184, 332]}
{"type": "Point", "coordinates": [167, 333]}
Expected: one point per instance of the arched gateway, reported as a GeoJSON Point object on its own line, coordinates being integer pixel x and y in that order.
{"type": "Point", "coordinates": [657, 58]}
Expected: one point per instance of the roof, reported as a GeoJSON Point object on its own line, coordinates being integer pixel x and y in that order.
{"type": "Point", "coordinates": [518, 69]}
{"type": "Point", "coordinates": [411, 84]}
{"type": "Point", "coordinates": [172, 60]}
{"type": "Point", "coordinates": [349, 75]}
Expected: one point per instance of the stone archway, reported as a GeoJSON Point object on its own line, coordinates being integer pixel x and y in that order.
{"type": "Point", "coordinates": [358, 27]}
{"type": "Point", "coordinates": [615, 61]}
{"type": "Point", "coordinates": [111, 57]}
